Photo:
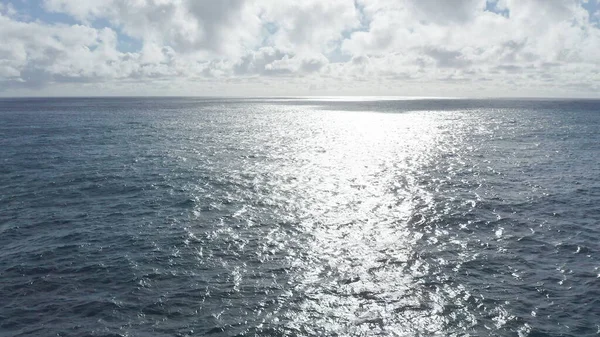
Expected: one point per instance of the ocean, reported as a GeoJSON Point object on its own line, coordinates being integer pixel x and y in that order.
{"type": "Point", "coordinates": [299, 217]}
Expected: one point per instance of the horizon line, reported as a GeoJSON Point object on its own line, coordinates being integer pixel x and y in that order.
{"type": "Point", "coordinates": [315, 97]}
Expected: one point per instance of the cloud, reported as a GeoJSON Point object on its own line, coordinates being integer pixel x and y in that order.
{"type": "Point", "coordinates": [306, 63]}
{"type": "Point", "coordinates": [502, 45]}
{"type": "Point", "coordinates": [224, 26]}
{"type": "Point", "coordinates": [255, 62]}
{"type": "Point", "coordinates": [311, 24]}
{"type": "Point", "coordinates": [33, 53]}
{"type": "Point", "coordinates": [447, 12]}
{"type": "Point", "coordinates": [448, 58]}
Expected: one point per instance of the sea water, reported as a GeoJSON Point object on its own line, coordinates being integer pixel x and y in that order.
{"type": "Point", "coordinates": [299, 217]}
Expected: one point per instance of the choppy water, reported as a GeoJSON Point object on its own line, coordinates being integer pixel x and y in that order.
{"type": "Point", "coordinates": [272, 217]}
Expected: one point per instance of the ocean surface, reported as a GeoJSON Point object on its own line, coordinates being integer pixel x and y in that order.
{"type": "Point", "coordinates": [299, 217]}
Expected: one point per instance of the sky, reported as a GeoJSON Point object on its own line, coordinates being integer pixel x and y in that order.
{"type": "Point", "coordinates": [425, 48]}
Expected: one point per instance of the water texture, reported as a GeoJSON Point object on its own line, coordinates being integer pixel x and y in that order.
{"type": "Point", "coordinates": [299, 217]}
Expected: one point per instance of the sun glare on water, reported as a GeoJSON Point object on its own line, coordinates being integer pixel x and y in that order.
{"type": "Point", "coordinates": [359, 198]}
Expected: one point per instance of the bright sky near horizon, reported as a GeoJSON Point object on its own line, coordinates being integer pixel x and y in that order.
{"type": "Point", "coordinates": [467, 48]}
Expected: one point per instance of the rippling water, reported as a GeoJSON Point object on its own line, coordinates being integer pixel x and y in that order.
{"type": "Point", "coordinates": [299, 217]}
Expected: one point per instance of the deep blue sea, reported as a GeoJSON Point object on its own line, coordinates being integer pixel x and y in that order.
{"type": "Point", "coordinates": [299, 217]}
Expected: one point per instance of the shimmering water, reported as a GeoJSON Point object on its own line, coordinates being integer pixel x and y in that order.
{"type": "Point", "coordinates": [299, 217]}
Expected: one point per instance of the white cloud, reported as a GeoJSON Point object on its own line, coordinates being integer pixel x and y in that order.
{"type": "Point", "coordinates": [434, 47]}
{"type": "Point", "coordinates": [311, 24]}
{"type": "Point", "coordinates": [223, 26]}
{"type": "Point", "coordinates": [33, 52]}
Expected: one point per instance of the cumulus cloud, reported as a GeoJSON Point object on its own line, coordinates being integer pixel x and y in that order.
{"type": "Point", "coordinates": [490, 47]}
{"type": "Point", "coordinates": [186, 26]}
{"type": "Point", "coordinates": [311, 24]}
{"type": "Point", "coordinates": [33, 53]}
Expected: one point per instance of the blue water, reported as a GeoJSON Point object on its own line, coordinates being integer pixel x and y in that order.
{"type": "Point", "coordinates": [299, 217]}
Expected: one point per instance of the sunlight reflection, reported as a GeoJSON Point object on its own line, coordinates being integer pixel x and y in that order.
{"type": "Point", "coordinates": [347, 219]}
{"type": "Point", "coordinates": [361, 196]}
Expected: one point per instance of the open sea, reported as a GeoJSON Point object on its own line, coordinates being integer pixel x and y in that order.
{"type": "Point", "coordinates": [299, 217]}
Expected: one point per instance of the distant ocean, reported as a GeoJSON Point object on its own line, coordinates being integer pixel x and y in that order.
{"type": "Point", "coordinates": [299, 217]}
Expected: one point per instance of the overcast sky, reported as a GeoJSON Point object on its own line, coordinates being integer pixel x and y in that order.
{"type": "Point", "coordinates": [474, 48]}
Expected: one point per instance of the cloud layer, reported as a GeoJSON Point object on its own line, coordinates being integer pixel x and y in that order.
{"type": "Point", "coordinates": [274, 47]}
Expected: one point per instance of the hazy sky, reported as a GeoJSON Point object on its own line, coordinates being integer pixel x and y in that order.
{"type": "Point", "coordinates": [300, 47]}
